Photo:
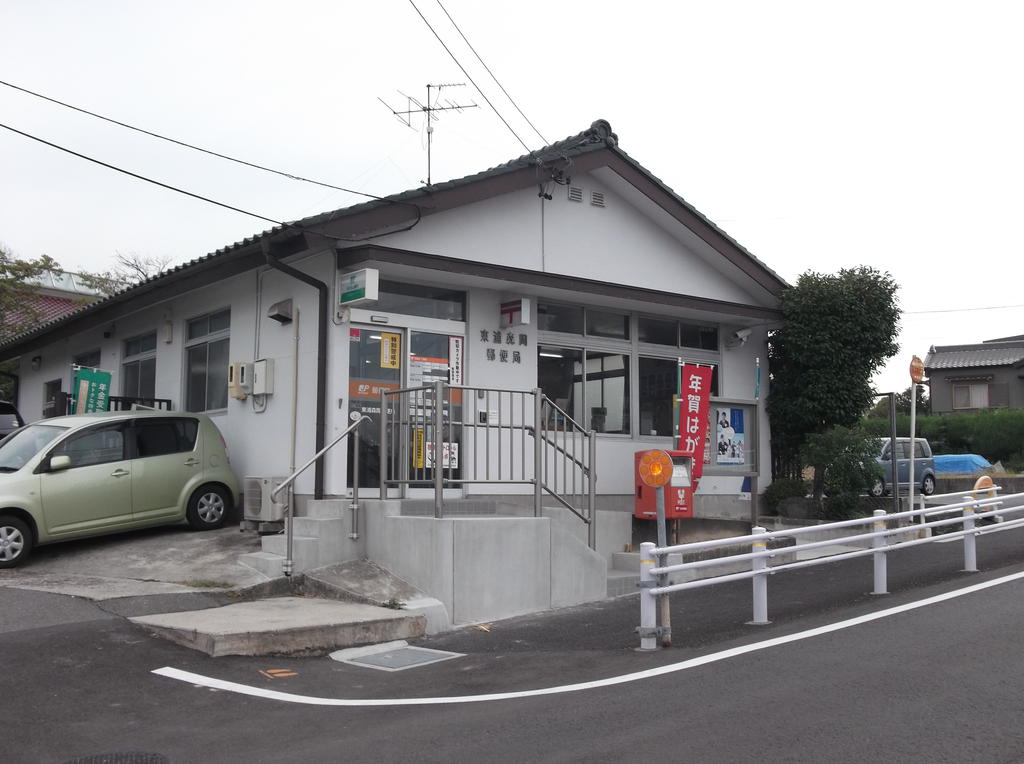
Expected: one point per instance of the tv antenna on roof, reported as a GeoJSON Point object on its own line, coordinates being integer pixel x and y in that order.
{"type": "Point", "coordinates": [430, 109]}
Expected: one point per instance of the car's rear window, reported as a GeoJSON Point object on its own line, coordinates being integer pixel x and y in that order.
{"type": "Point", "coordinates": [156, 437]}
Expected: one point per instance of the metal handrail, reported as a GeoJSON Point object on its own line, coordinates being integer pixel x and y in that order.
{"type": "Point", "coordinates": [509, 440]}
{"type": "Point", "coordinates": [288, 562]}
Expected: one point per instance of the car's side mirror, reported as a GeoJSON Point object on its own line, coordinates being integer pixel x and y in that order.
{"type": "Point", "coordinates": [61, 462]}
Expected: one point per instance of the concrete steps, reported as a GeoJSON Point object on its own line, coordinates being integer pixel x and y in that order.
{"type": "Point", "coordinates": [284, 626]}
{"type": "Point", "coordinates": [319, 538]}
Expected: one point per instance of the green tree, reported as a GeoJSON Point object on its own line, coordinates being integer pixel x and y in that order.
{"type": "Point", "coordinates": [129, 269]}
{"type": "Point", "coordinates": [838, 330]}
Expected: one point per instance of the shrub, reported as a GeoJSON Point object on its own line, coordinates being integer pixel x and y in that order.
{"type": "Point", "coordinates": [843, 459]}
{"type": "Point", "coordinates": [844, 506]}
{"type": "Point", "coordinates": [783, 488]}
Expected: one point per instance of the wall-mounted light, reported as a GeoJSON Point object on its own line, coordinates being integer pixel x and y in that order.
{"type": "Point", "coordinates": [37, 362]}
{"type": "Point", "coordinates": [168, 332]}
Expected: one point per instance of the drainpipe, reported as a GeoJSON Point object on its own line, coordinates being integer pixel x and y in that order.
{"type": "Point", "coordinates": [323, 307]}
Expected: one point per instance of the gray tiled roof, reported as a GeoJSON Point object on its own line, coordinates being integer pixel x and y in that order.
{"type": "Point", "coordinates": [597, 137]}
{"type": "Point", "coordinates": [982, 354]}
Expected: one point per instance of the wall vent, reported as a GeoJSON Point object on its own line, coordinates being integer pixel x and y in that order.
{"type": "Point", "coordinates": [597, 198]}
{"type": "Point", "coordinates": [575, 194]}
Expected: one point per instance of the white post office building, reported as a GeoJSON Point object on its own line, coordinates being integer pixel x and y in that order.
{"type": "Point", "coordinates": [507, 342]}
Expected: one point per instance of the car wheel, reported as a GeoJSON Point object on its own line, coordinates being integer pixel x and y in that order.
{"type": "Point", "coordinates": [15, 541]}
{"type": "Point", "coordinates": [928, 485]}
{"type": "Point", "coordinates": [877, 488]}
{"type": "Point", "coordinates": [208, 508]}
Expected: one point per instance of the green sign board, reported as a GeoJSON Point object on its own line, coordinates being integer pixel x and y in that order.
{"type": "Point", "coordinates": [358, 286]}
{"type": "Point", "coordinates": [92, 388]}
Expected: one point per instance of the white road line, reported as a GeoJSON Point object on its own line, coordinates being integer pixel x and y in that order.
{"type": "Point", "coordinates": [220, 684]}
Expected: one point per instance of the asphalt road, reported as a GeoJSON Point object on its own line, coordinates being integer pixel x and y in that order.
{"type": "Point", "coordinates": [940, 682]}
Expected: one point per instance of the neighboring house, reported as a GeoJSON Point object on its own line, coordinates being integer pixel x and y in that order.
{"type": "Point", "coordinates": [986, 375]}
{"type": "Point", "coordinates": [573, 271]}
{"type": "Point", "coordinates": [55, 294]}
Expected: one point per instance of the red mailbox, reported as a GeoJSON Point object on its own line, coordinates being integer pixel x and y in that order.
{"type": "Point", "coordinates": [678, 491]}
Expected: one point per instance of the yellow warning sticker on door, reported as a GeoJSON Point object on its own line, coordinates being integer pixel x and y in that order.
{"type": "Point", "coordinates": [390, 351]}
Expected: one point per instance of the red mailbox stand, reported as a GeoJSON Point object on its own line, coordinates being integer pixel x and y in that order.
{"type": "Point", "coordinates": [678, 491]}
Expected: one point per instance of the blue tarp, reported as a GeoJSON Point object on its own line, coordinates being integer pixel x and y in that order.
{"type": "Point", "coordinates": [960, 463]}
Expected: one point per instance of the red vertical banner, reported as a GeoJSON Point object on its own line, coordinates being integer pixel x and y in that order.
{"type": "Point", "coordinates": [694, 402]}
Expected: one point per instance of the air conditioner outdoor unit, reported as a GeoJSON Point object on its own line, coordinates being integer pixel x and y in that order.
{"type": "Point", "coordinates": [261, 513]}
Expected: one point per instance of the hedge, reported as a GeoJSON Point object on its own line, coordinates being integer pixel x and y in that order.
{"type": "Point", "coordinates": [996, 434]}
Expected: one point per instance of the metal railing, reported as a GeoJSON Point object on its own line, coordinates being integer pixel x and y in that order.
{"type": "Point", "coordinates": [287, 482]}
{"type": "Point", "coordinates": [970, 508]}
{"type": "Point", "coordinates": [487, 436]}
{"type": "Point", "coordinates": [129, 403]}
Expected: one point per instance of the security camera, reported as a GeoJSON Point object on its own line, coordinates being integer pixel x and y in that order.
{"type": "Point", "coordinates": [738, 338]}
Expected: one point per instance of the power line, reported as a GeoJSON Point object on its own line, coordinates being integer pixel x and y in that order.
{"type": "Point", "coordinates": [960, 310]}
{"type": "Point", "coordinates": [496, 82]}
{"type": "Point", "coordinates": [290, 176]}
{"type": "Point", "coordinates": [481, 92]}
{"type": "Point", "coordinates": [189, 193]}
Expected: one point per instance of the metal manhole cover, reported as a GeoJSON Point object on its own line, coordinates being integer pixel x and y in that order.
{"type": "Point", "coordinates": [398, 658]}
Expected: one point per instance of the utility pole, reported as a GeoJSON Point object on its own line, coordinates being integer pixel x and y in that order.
{"type": "Point", "coordinates": [430, 109]}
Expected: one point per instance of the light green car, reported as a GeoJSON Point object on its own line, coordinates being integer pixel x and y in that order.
{"type": "Point", "coordinates": [91, 474]}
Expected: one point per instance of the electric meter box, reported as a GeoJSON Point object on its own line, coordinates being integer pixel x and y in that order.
{"type": "Point", "coordinates": [262, 376]}
{"type": "Point", "coordinates": [678, 492]}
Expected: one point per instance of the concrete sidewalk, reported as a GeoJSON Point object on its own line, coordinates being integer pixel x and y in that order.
{"type": "Point", "coordinates": [189, 587]}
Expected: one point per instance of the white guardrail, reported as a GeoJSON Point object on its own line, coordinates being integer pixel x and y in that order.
{"type": "Point", "coordinates": [968, 508]}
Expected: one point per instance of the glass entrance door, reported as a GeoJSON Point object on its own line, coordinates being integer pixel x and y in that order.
{"type": "Point", "coordinates": [384, 359]}
{"type": "Point", "coordinates": [374, 365]}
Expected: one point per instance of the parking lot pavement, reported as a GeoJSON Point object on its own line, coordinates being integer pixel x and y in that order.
{"type": "Point", "coordinates": [159, 561]}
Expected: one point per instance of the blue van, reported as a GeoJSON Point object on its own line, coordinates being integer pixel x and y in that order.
{"type": "Point", "coordinates": [924, 466]}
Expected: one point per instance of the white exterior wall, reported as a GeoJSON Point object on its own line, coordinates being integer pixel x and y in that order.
{"type": "Point", "coordinates": [618, 244]}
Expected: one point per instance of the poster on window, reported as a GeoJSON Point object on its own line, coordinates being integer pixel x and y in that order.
{"type": "Point", "coordinates": [730, 447]}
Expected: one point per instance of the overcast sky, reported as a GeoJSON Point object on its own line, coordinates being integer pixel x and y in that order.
{"type": "Point", "coordinates": [819, 135]}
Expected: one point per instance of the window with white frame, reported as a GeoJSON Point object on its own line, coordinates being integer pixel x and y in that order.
{"type": "Point", "coordinates": [590, 361]}
{"type": "Point", "coordinates": [138, 366]}
{"type": "Point", "coordinates": [970, 396]}
{"type": "Point", "coordinates": [206, 361]}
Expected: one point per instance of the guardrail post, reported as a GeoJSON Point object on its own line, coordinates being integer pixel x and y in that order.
{"type": "Point", "coordinates": [970, 551]}
{"type": "Point", "coordinates": [879, 543]}
{"type": "Point", "coordinates": [760, 582]}
{"type": "Point", "coordinates": [648, 628]}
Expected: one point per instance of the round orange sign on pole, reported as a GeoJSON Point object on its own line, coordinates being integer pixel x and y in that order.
{"type": "Point", "coordinates": [916, 369]}
{"type": "Point", "coordinates": [655, 468]}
